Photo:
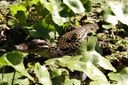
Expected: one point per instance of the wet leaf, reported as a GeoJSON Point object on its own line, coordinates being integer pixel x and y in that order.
{"type": "Point", "coordinates": [89, 69]}
{"type": "Point", "coordinates": [118, 9]}
{"type": "Point", "coordinates": [121, 78]}
{"type": "Point", "coordinates": [99, 83]}
{"type": "Point", "coordinates": [76, 5]}
{"type": "Point", "coordinates": [42, 74]}
{"type": "Point", "coordinates": [41, 30]}
{"type": "Point", "coordinates": [58, 71]}
{"type": "Point", "coordinates": [15, 59]}
{"type": "Point", "coordinates": [54, 8]}
{"type": "Point", "coordinates": [87, 49]}
{"type": "Point", "coordinates": [91, 44]}
{"type": "Point", "coordinates": [71, 82]}
{"type": "Point", "coordinates": [3, 83]}
{"type": "Point", "coordinates": [8, 78]}
{"type": "Point", "coordinates": [17, 7]}
{"type": "Point", "coordinates": [101, 61]}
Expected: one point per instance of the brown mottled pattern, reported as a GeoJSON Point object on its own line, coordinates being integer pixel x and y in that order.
{"type": "Point", "coordinates": [72, 39]}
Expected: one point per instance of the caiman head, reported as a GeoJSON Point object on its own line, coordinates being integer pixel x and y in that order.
{"type": "Point", "coordinates": [35, 46]}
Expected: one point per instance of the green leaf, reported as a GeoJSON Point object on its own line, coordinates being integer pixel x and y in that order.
{"type": "Point", "coordinates": [87, 4]}
{"type": "Point", "coordinates": [47, 25]}
{"type": "Point", "coordinates": [68, 60]}
{"type": "Point", "coordinates": [22, 82]}
{"type": "Point", "coordinates": [58, 19]}
{"type": "Point", "coordinates": [54, 8]}
{"type": "Point", "coordinates": [63, 61]}
{"type": "Point", "coordinates": [15, 59]}
{"type": "Point", "coordinates": [87, 49]}
{"type": "Point", "coordinates": [82, 48]}
{"type": "Point", "coordinates": [58, 71]}
{"type": "Point", "coordinates": [11, 22]}
{"type": "Point", "coordinates": [103, 62]}
{"type": "Point", "coordinates": [41, 30]}
{"type": "Point", "coordinates": [58, 80]}
{"type": "Point", "coordinates": [3, 62]}
{"type": "Point", "coordinates": [99, 83]}
{"type": "Point", "coordinates": [75, 5]}
{"type": "Point", "coordinates": [121, 78]}
{"type": "Point", "coordinates": [109, 26]}
{"type": "Point", "coordinates": [42, 74]}
{"type": "Point", "coordinates": [114, 76]}
{"type": "Point", "coordinates": [3, 83]}
{"type": "Point", "coordinates": [7, 77]}
{"type": "Point", "coordinates": [71, 82]}
{"type": "Point", "coordinates": [119, 9]}
{"type": "Point", "coordinates": [21, 16]}
{"type": "Point", "coordinates": [89, 69]}
{"type": "Point", "coordinates": [17, 80]}
{"type": "Point", "coordinates": [87, 45]}
{"type": "Point", "coordinates": [33, 2]}
{"type": "Point", "coordinates": [124, 71]}
{"type": "Point", "coordinates": [17, 7]}
{"type": "Point", "coordinates": [74, 63]}
{"type": "Point", "coordinates": [19, 11]}
{"type": "Point", "coordinates": [51, 62]}
{"type": "Point", "coordinates": [109, 17]}
{"type": "Point", "coordinates": [91, 43]}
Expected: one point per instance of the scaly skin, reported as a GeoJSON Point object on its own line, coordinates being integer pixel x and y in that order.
{"type": "Point", "coordinates": [72, 39]}
{"type": "Point", "coordinates": [66, 43]}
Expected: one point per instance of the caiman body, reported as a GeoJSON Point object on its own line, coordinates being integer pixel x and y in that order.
{"type": "Point", "coordinates": [67, 43]}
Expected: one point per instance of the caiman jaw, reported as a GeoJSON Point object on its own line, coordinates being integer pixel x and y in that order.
{"type": "Point", "coordinates": [36, 45]}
